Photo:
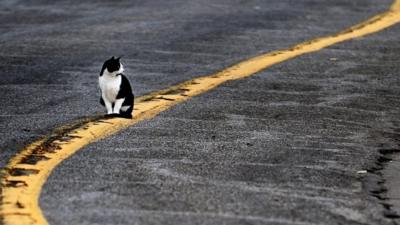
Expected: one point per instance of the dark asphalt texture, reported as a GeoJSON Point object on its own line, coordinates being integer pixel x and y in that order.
{"type": "Point", "coordinates": [391, 175]}
{"type": "Point", "coordinates": [281, 147]}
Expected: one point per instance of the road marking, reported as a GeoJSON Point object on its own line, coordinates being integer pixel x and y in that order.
{"type": "Point", "coordinates": [22, 179]}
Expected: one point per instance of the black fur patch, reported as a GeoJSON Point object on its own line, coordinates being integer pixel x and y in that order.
{"type": "Point", "coordinates": [111, 64]}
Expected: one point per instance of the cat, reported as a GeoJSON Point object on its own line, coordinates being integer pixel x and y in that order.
{"type": "Point", "coordinates": [116, 91]}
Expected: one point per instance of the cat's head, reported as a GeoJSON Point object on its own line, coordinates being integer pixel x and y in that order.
{"type": "Point", "coordinates": [112, 67]}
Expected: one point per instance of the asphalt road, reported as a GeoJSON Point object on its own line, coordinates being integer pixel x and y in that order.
{"type": "Point", "coordinates": [281, 147]}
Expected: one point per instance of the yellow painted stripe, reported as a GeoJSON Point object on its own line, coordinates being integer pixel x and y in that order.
{"type": "Point", "coordinates": [25, 174]}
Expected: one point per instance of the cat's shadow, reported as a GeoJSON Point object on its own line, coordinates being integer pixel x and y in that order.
{"type": "Point", "coordinates": [116, 115]}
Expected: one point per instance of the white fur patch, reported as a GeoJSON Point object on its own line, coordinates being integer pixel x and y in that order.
{"type": "Point", "coordinates": [109, 87]}
{"type": "Point", "coordinates": [125, 108]}
{"type": "Point", "coordinates": [110, 84]}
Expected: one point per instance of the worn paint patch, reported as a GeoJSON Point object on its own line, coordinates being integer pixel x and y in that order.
{"type": "Point", "coordinates": [23, 178]}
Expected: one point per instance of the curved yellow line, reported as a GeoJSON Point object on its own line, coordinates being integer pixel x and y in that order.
{"type": "Point", "coordinates": [25, 174]}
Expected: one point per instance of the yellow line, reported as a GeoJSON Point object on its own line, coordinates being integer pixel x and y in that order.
{"type": "Point", "coordinates": [25, 174]}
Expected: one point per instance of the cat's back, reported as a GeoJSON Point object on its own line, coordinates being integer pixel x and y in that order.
{"type": "Point", "coordinates": [126, 88]}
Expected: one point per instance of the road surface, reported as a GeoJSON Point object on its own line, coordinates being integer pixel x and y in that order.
{"type": "Point", "coordinates": [289, 145]}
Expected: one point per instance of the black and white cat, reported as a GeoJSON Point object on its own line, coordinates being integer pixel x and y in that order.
{"type": "Point", "coordinates": [116, 91]}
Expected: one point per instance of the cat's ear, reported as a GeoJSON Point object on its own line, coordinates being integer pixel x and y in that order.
{"type": "Point", "coordinates": [118, 58]}
{"type": "Point", "coordinates": [112, 58]}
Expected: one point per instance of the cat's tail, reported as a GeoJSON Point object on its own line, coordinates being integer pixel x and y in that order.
{"type": "Point", "coordinates": [126, 115]}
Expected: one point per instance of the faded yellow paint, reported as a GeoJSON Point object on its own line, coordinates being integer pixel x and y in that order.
{"type": "Point", "coordinates": [25, 174]}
